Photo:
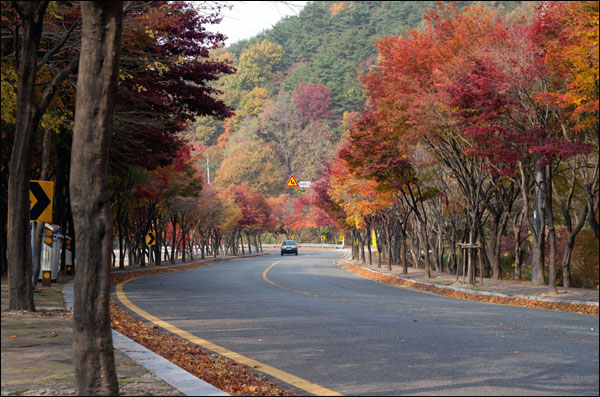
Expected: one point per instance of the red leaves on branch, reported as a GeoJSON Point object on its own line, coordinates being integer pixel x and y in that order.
{"type": "Point", "coordinates": [164, 81]}
{"type": "Point", "coordinates": [312, 101]}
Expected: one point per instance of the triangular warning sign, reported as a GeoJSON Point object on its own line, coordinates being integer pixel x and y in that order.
{"type": "Point", "coordinates": [291, 182]}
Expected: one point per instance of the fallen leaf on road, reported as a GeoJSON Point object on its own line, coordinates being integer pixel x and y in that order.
{"type": "Point", "coordinates": [230, 377]}
{"type": "Point", "coordinates": [259, 340]}
{"type": "Point", "coordinates": [511, 301]}
{"type": "Point", "coordinates": [402, 341]}
{"type": "Point", "coordinates": [517, 352]}
{"type": "Point", "coordinates": [13, 336]}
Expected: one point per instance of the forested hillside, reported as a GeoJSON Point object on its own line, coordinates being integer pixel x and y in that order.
{"type": "Point", "coordinates": [297, 83]}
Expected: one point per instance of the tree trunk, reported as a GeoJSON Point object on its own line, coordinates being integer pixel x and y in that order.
{"type": "Point", "coordinates": [539, 229]}
{"type": "Point", "coordinates": [173, 237]}
{"type": "Point", "coordinates": [470, 260]}
{"type": "Point", "coordinates": [95, 372]}
{"type": "Point", "coordinates": [249, 243]}
{"type": "Point", "coordinates": [20, 287]}
{"type": "Point", "coordinates": [369, 242]}
{"type": "Point", "coordinates": [425, 241]}
{"type": "Point", "coordinates": [404, 253]}
{"type": "Point", "coordinates": [565, 209]}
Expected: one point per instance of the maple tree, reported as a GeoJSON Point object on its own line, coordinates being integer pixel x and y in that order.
{"type": "Point", "coordinates": [567, 34]}
{"type": "Point", "coordinates": [312, 101]}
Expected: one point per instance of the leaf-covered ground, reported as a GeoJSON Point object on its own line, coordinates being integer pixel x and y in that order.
{"type": "Point", "coordinates": [225, 374]}
{"type": "Point", "coordinates": [509, 301]}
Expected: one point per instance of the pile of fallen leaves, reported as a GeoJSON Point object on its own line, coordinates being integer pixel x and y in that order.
{"type": "Point", "coordinates": [227, 375]}
{"type": "Point", "coordinates": [233, 378]}
{"type": "Point", "coordinates": [452, 293]}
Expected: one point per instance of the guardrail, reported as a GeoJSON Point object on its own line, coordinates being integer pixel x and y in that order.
{"type": "Point", "coordinates": [308, 245]}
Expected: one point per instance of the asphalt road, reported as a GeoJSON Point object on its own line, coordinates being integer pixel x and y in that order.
{"type": "Point", "coordinates": [314, 320]}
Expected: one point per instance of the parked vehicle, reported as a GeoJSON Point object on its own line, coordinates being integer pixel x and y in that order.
{"type": "Point", "coordinates": [289, 247]}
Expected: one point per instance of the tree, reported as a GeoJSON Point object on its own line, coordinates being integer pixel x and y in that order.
{"type": "Point", "coordinates": [28, 114]}
{"type": "Point", "coordinates": [253, 162]}
{"type": "Point", "coordinates": [256, 66]}
{"type": "Point", "coordinates": [280, 124]}
{"type": "Point", "coordinates": [95, 371]}
{"type": "Point", "coordinates": [312, 101]}
{"type": "Point", "coordinates": [20, 290]}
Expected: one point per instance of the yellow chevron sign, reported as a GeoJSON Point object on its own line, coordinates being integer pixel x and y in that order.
{"type": "Point", "coordinates": [41, 195]}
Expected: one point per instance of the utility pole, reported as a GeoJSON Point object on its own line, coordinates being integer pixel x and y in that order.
{"type": "Point", "coordinates": [207, 170]}
{"type": "Point", "coordinates": [540, 178]}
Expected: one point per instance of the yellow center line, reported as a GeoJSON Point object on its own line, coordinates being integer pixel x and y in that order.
{"type": "Point", "coordinates": [264, 275]}
{"type": "Point", "coordinates": [293, 380]}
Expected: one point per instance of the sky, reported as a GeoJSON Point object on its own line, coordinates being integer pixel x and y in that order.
{"type": "Point", "coordinates": [248, 18]}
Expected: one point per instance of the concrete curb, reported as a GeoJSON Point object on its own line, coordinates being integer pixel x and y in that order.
{"type": "Point", "coordinates": [175, 376]}
{"type": "Point", "coordinates": [488, 293]}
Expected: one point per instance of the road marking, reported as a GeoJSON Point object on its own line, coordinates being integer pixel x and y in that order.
{"type": "Point", "coordinates": [293, 380]}
{"type": "Point", "coordinates": [264, 275]}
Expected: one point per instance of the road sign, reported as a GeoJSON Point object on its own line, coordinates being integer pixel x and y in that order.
{"type": "Point", "coordinates": [305, 183]}
{"type": "Point", "coordinates": [291, 182]}
{"type": "Point", "coordinates": [150, 238]}
{"type": "Point", "coordinates": [322, 237]}
{"type": "Point", "coordinates": [41, 194]}
{"type": "Point", "coordinates": [342, 239]}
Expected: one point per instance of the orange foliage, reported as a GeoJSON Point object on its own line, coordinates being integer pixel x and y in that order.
{"type": "Point", "coordinates": [336, 8]}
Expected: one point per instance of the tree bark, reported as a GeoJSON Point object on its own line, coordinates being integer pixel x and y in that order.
{"type": "Point", "coordinates": [95, 372]}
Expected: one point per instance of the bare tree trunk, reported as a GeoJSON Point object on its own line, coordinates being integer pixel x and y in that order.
{"type": "Point", "coordinates": [425, 241]}
{"type": "Point", "coordinates": [565, 206]}
{"type": "Point", "coordinates": [404, 253]}
{"type": "Point", "coordinates": [173, 238]}
{"type": "Point", "coordinates": [96, 88]}
{"type": "Point", "coordinates": [249, 243]}
{"type": "Point", "coordinates": [241, 239]}
{"type": "Point", "coordinates": [369, 242]}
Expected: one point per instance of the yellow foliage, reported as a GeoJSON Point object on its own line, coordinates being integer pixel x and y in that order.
{"type": "Point", "coordinates": [9, 93]}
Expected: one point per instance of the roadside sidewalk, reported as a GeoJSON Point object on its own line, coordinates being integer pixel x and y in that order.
{"type": "Point", "coordinates": [499, 288]}
{"type": "Point", "coordinates": [37, 354]}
